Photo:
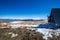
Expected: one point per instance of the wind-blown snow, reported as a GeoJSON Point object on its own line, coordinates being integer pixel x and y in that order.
{"type": "Point", "coordinates": [47, 32]}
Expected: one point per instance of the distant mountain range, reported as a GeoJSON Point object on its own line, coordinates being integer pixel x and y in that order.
{"type": "Point", "coordinates": [22, 20]}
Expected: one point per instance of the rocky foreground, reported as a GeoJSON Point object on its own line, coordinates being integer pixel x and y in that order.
{"type": "Point", "coordinates": [25, 34]}
{"type": "Point", "coordinates": [19, 34]}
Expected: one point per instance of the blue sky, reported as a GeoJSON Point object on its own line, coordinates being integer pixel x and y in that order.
{"type": "Point", "coordinates": [27, 9]}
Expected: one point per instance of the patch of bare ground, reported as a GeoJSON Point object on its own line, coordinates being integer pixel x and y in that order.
{"type": "Point", "coordinates": [19, 34]}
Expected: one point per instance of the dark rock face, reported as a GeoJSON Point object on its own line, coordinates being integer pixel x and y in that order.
{"type": "Point", "coordinates": [55, 16]}
{"type": "Point", "coordinates": [51, 19]}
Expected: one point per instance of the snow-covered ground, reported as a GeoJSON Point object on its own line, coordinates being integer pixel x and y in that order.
{"type": "Point", "coordinates": [20, 25]}
{"type": "Point", "coordinates": [13, 34]}
{"type": "Point", "coordinates": [17, 24]}
{"type": "Point", "coordinates": [47, 32]}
